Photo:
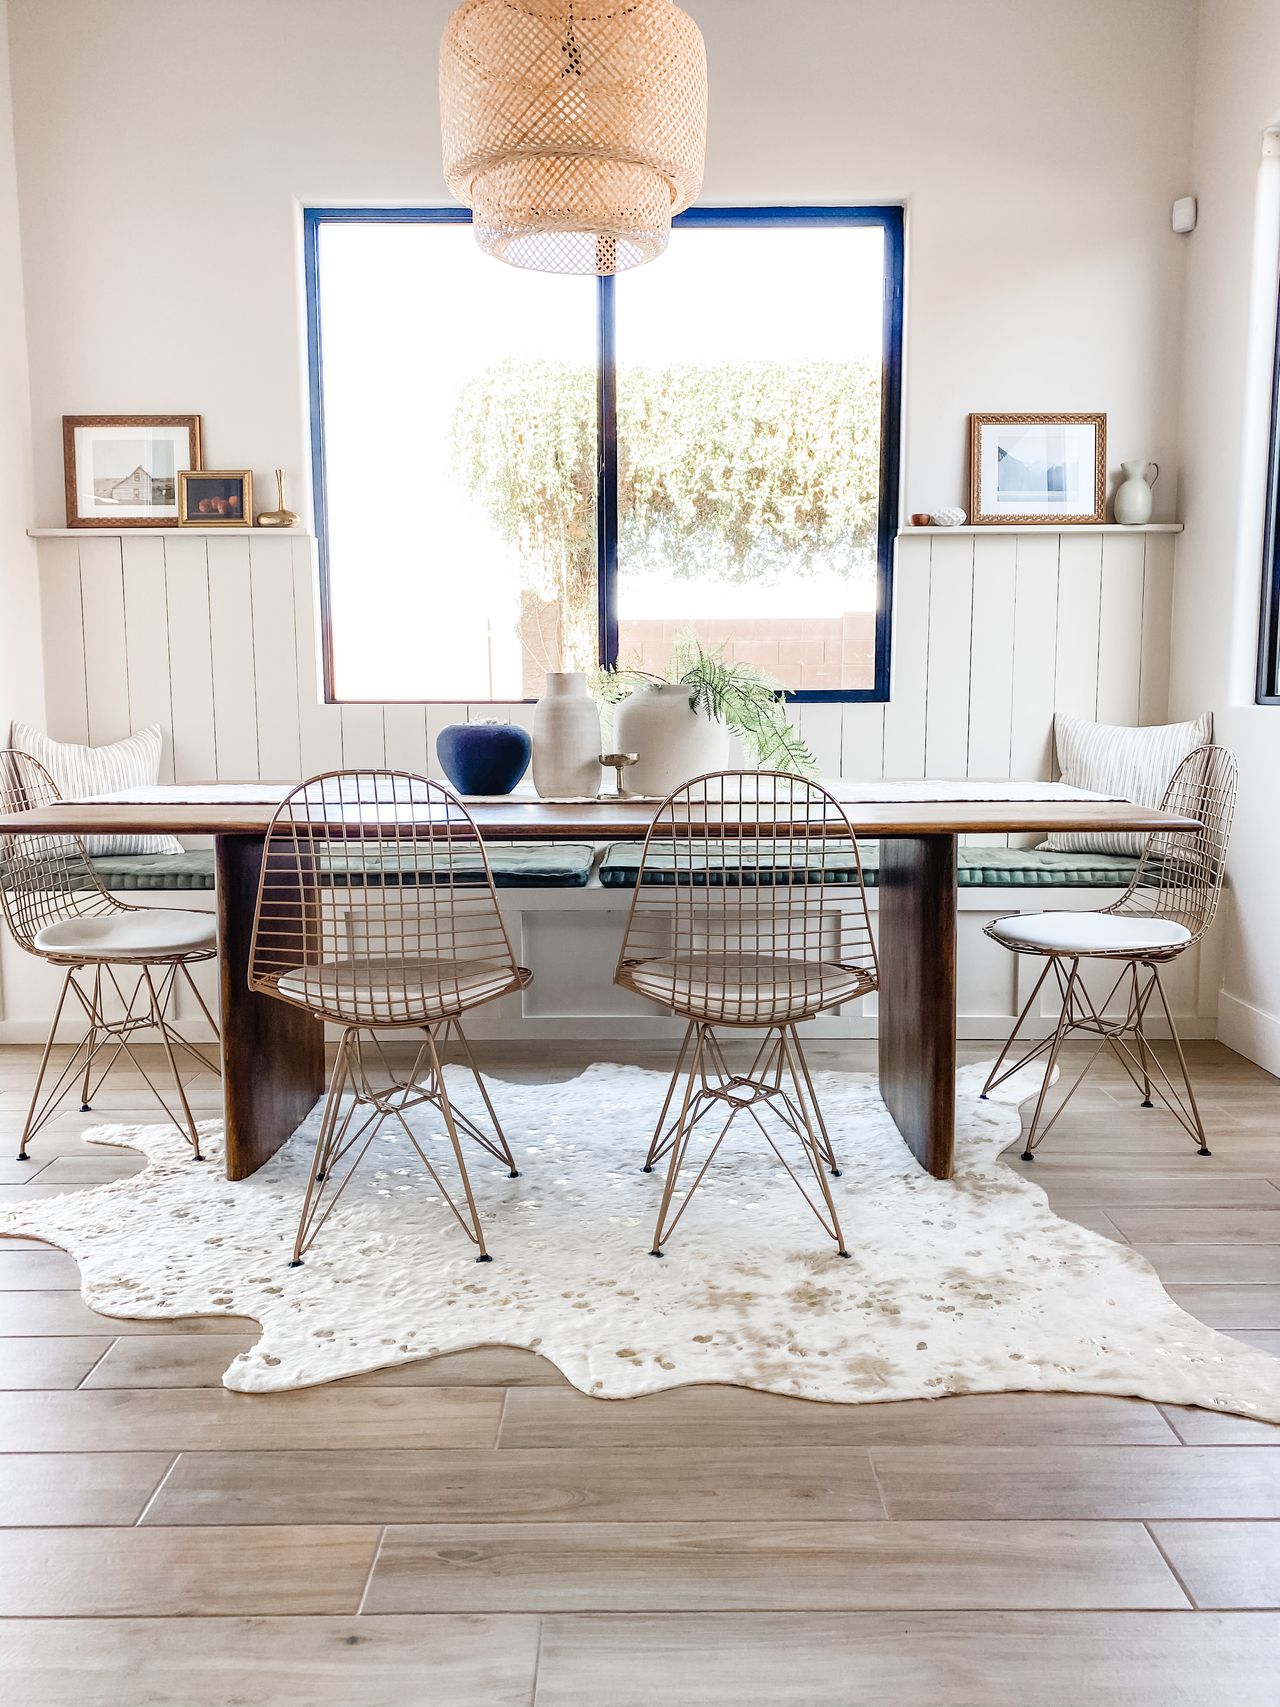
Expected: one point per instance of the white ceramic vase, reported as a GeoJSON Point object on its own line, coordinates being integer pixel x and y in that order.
{"type": "Point", "coordinates": [566, 738]}
{"type": "Point", "coordinates": [673, 742]}
{"type": "Point", "coordinates": [1133, 495]}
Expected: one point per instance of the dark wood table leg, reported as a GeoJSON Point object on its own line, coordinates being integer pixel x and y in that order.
{"type": "Point", "coordinates": [272, 1053]}
{"type": "Point", "coordinates": [918, 994]}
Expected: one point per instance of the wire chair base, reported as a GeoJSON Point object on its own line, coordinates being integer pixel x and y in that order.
{"type": "Point", "coordinates": [347, 1130]}
{"type": "Point", "coordinates": [1126, 1038]}
{"type": "Point", "coordinates": [777, 1084]}
{"type": "Point", "coordinates": [145, 1008]}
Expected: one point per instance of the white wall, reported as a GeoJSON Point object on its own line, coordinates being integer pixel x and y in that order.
{"type": "Point", "coordinates": [21, 680]}
{"type": "Point", "coordinates": [165, 146]}
{"type": "Point", "coordinates": [1229, 334]}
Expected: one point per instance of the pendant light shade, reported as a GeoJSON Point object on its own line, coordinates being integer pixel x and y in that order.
{"type": "Point", "coordinates": [573, 129]}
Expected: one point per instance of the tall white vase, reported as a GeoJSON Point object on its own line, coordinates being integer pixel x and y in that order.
{"type": "Point", "coordinates": [674, 743]}
{"type": "Point", "coordinates": [566, 738]}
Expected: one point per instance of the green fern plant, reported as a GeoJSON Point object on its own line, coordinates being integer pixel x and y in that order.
{"type": "Point", "coordinates": [748, 700]}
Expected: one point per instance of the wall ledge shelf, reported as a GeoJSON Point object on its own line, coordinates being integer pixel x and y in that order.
{"type": "Point", "coordinates": [1063, 527]}
{"type": "Point", "coordinates": [168, 533]}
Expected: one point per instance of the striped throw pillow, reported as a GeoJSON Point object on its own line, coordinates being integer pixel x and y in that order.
{"type": "Point", "coordinates": [1112, 759]}
{"type": "Point", "coordinates": [77, 771]}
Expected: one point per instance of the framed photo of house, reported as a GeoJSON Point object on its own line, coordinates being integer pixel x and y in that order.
{"type": "Point", "coordinates": [215, 498]}
{"type": "Point", "coordinates": [121, 471]}
{"type": "Point", "coordinates": [1037, 470]}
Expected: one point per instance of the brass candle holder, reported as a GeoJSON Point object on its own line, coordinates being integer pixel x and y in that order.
{"type": "Point", "coordinates": [280, 517]}
{"type": "Point", "coordinates": [617, 762]}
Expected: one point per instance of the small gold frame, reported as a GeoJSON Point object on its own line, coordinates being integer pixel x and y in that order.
{"type": "Point", "coordinates": [189, 518]}
{"type": "Point", "coordinates": [978, 517]}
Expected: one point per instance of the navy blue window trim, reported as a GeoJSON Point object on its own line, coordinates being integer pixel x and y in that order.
{"type": "Point", "coordinates": [888, 218]}
{"type": "Point", "coordinates": [1268, 692]}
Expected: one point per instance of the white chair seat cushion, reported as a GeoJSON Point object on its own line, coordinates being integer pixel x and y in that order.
{"type": "Point", "coordinates": [408, 992]}
{"type": "Point", "coordinates": [761, 989]}
{"type": "Point", "coordinates": [144, 933]}
{"type": "Point", "coordinates": [1090, 933]}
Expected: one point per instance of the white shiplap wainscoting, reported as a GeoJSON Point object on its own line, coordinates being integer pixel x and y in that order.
{"type": "Point", "coordinates": [215, 637]}
{"type": "Point", "coordinates": [994, 631]}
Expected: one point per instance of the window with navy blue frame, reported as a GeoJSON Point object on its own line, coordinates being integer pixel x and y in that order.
{"type": "Point", "coordinates": [1269, 625]}
{"type": "Point", "coordinates": [888, 220]}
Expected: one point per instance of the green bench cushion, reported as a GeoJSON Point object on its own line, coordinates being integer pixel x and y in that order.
{"type": "Point", "coordinates": [127, 872]}
{"type": "Point", "coordinates": [1042, 868]}
{"type": "Point", "coordinates": [715, 862]}
{"type": "Point", "coordinates": [560, 865]}
{"type": "Point", "coordinates": [568, 865]}
{"type": "Point", "coordinates": [979, 867]}
{"type": "Point", "coordinates": [515, 865]}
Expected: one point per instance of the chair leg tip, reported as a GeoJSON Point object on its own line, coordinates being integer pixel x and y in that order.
{"type": "Point", "coordinates": [514, 1173]}
{"type": "Point", "coordinates": [1147, 1103]}
{"type": "Point", "coordinates": [86, 1108]}
{"type": "Point", "coordinates": [982, 1097]}
{"type": "Point", "coordinates": [296, 1263]}
{"type": "Point", "coordinates": [22, 1156]}
{"type": "Point", "coordinates": [656, 1253]}
{"type": "Point", "coordinates": [646, 1169]}
{"type": "Point", "coordinates": [1204, 1150]}
{"type": "Point", "coordinates": [1028, 1156]}
{"type": "Point", "coordinates": [842, 1254]}
{"type": "Point", "coordinates": [485, 1257]}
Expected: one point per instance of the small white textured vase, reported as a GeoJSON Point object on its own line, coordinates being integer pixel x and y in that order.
{"type": "Point", "coordinates": [1133, 495]}
{"type": "Point", "coordinates": [566, 738]}
{"type": "Point", "coordinates": [674, 742]}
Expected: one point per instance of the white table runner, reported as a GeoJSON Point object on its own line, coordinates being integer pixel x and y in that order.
{"type": "Point", "coordinates": [850, 791]}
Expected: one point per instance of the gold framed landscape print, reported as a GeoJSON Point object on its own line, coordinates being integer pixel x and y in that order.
{"type": "Point", "coordinates": [120, 471]}
{"type": "Point", "coordinates": [1037, 470]}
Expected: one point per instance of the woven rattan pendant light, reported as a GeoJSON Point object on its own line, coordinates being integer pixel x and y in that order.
{"type": "Point", "coordinates": [573, 129]}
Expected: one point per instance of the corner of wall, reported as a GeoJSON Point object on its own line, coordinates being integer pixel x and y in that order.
{"type": "Point", "coordinates": [21, 665]}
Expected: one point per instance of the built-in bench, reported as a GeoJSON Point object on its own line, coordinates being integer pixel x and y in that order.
{"type": "Point", "coordinates": [979, 867]}
{"type": "Point", "coordinates": [569, 865]}
{"type": "Point", "coordinates": [565, 906]}
{"type": "Point", "coordinates": [559, 865]}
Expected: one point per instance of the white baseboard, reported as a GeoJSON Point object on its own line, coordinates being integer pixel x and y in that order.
{"type": "Point", "coordinates": [1249, 1030]}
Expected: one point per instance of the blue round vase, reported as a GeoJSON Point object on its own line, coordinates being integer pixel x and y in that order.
{"type": "Point", "coordinates": [484, 758]}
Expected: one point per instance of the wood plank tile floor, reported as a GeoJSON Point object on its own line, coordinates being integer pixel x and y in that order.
{"type": "Point", "coordinates": [472, 1530]}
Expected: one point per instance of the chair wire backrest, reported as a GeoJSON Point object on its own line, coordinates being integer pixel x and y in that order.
{"type": "Point", "coordinates": [1181, 872]}
{"type": "Point", "coordinates": [740, 865]}
{"type": "Point", "coordinates": [377, 871]}
{"type": "Point", "coordinates": [44, 878]}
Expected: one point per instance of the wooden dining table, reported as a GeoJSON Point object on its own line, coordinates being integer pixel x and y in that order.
{"type": "Point", "coordinates": [273, 1061]}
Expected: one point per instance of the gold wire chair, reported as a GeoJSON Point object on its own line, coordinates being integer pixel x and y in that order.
{"type": "Point", "coordinates": [58, 910]}
{"type": "Point", "coordinates": [376, 910]}
{"type": "Point", "coordinates": [1169, 905]}
{"type": "Point", "coordinates": [749, 912]}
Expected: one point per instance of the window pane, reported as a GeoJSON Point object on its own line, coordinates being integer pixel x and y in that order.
{"type": "Point", "coordinates": [460, 466]}
{"type": "Point", "coordinates": [749, 380]}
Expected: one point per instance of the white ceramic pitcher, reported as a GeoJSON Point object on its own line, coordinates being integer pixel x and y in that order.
{"type": "Point", "coordinates": [1133, 495]}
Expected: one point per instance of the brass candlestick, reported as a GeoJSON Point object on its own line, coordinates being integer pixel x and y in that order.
{"type": "Point", "coordinates": [280, 517]}
{"type": "Point", "coordinates": [617, 762]}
